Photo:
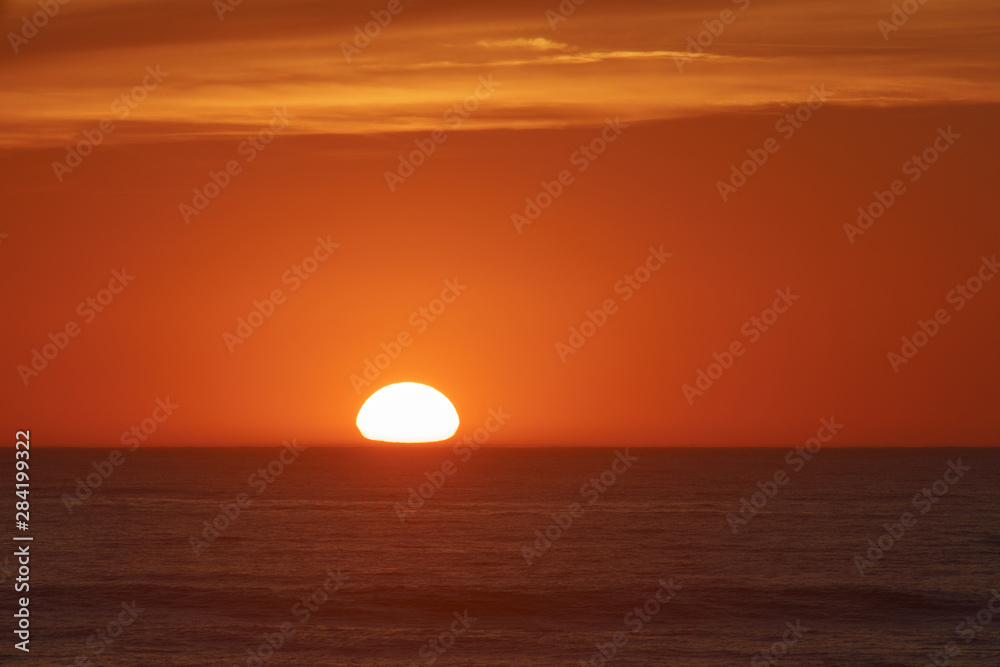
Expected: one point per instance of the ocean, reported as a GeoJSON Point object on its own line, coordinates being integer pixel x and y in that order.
{"type": "Point", "coordinates": [363, 557]}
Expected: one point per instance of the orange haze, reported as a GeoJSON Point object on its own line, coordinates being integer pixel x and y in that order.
{"type": "Point", "coordinates": [508, 104]}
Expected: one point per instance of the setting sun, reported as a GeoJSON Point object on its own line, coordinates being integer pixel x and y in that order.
{"type": "Point", "coordinates": [407, 412]}
{"type": "Point", "coordinates": [619, 297]}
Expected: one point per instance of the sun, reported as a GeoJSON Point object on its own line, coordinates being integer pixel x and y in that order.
{"type": "Point", "coordinates": [407, 412]}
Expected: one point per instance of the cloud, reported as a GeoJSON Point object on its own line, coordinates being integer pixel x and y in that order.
{"type": "Point", "coordinates": [537, 43]}
{"type": "Point", "coordinates": [580, 58]}
{"type": "Point", "coordinates": [226, 75]}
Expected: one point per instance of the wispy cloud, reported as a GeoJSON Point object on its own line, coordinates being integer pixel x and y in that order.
{"type": "Point", "coordinates": [538, 43]}
{"type": "Point", "coordinates": [225, 76]}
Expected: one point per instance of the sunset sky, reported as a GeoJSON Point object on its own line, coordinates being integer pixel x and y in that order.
{"type": "Point", "coordinates": [535, 89]}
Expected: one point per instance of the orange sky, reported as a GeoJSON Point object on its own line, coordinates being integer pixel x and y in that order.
{"type": "Point", "coordinates": [342, 125]}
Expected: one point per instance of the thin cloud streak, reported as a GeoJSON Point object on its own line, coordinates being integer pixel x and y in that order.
{"type": "Point", "coordinates": [227, 75]}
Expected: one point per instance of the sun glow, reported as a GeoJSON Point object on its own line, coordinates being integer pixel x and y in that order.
{"type": "Point", "coordinates": [407, 412]}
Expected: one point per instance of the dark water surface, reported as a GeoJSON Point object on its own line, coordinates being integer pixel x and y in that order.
{"type": "Point", "coordinates": [404, 584]}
